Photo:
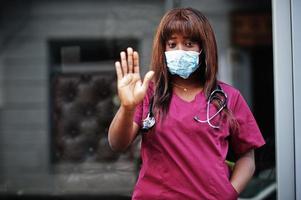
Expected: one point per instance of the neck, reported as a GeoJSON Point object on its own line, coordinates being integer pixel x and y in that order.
{"type": "Point", "coordinates": [186, 83]}
{"type": "Point", "coordinates": [186, 86]}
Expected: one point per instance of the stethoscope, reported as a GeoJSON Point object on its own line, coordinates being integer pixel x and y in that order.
{"type": "Point", "coordinates": [221, 97]}
{"type": "Point", "coordinates": [218, 94]}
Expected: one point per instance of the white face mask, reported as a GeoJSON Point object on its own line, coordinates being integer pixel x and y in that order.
{"type": "Point", "coordinates": [182, 63]}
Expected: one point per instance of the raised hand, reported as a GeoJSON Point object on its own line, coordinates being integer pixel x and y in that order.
{"type": "Point", "coordinates": [131, 89]}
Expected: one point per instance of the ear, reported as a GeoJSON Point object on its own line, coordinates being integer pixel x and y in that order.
{"type": "Point", "coordinates": [201, 51]}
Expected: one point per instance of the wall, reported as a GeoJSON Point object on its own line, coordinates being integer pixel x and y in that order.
{"type": "Point", "coordinates": [24, 117]}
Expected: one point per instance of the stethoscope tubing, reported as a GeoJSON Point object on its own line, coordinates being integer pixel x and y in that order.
{"type": "Point", "coordinates": [150, 120]}
{"type": "Point", "coordinates": [211, 97]}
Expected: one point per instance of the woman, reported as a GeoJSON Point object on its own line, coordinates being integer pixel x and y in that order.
{"type": "Point", "coordinates": [189, 118]}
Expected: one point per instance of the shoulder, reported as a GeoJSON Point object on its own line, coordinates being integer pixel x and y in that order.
{"type": "Point", "coordinates": [149, 94]}
{"type": "Point", "coordinates": [233, 94]}
{"type": "Point", "coordinates": [150, 90]}
{"type": "Point", "coordinates": [229, 89]}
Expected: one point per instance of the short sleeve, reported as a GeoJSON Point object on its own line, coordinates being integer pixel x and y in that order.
{"type": "Point", "coordinates": [142, 108]}
{"type": "Point", "coordinates": [138, 114]}
{"type": "Point", "coordinates": [248, 135]}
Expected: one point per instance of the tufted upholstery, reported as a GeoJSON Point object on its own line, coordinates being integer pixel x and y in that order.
{"type": "Point", "coordinates": [83, 108]}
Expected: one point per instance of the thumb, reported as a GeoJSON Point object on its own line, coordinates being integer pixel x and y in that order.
{"type": "Point", "coordinates": [148, 76]}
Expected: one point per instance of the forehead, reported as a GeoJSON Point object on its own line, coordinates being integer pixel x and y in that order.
{"type": "Point", "coordinates": [179, 36]}
{"type": "Point", "coordinates": [180, 29]}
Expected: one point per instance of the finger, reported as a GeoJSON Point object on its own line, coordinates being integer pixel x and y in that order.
{"type": "Point", "coordinates": [130, 59]}
{"type": "Point", "coordinates": [148, 76]}
{"type": "Point", "coordinates": [123, 63]}
{"type": "Point", "coordinates": [136, 62]}
{"type": "Point", "coordinates": [118, 70]}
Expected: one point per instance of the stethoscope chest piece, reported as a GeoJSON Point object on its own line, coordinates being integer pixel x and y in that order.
{"type": "Point", "coordinates": [148, 122]}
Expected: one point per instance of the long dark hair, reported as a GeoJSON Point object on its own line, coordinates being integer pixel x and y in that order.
{"type": "Point", "coordinates": [193, 24]}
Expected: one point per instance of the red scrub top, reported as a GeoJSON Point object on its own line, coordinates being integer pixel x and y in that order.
{"type": "Point", "coordinates": [185, 159]}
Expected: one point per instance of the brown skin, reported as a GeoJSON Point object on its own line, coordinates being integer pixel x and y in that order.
{"type": "Point", "coordinates": [243, 171]}
{"type": "Point", "coordinates": [132, 90]}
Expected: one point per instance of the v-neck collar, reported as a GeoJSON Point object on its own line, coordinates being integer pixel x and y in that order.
{"type": "Point", "coordinates": [185, 101]}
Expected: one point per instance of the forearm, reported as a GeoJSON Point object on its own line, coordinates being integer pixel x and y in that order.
{"type": "Point", "coordinates": [121, 131]}
{"type": "Point", "coordinates": [243, 171]}
{"type": "Point", "coordinates": [131, 92]}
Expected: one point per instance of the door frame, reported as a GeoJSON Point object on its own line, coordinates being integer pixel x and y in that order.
{"type": "Point", "coordinates": [286, 45]}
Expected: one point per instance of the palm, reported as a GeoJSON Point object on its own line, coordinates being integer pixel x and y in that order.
{"type": "Point", "coordinates": [131, 89]}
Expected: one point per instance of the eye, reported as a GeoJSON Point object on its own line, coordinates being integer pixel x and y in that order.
{"type": "Point", "coordinates": [171, 44]}
{"type": "Point", "coordinates": [190, 44]}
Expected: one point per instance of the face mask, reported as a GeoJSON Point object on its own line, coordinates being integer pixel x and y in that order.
{"type": "Point", "coordinates": [182, 63]}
